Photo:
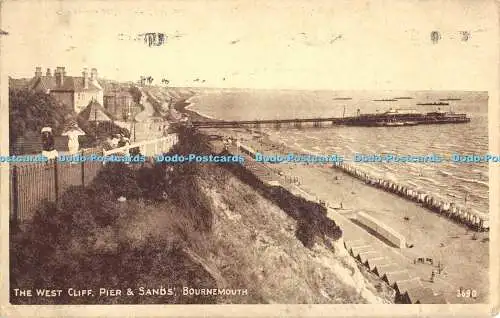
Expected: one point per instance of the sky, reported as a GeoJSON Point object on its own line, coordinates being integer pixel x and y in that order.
{"type": "Point", "coordinates": [260, 44]}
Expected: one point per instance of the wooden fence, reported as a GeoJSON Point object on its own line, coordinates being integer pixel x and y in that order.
{"type": "Point", "coordinates": [31, 183]}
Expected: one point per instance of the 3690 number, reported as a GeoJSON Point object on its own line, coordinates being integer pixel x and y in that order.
{"type": "Point", "coordinates": [467, 293]}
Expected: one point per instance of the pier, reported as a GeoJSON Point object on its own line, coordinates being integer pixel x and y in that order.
{"type": "Point", "coordinates": [399, 119]}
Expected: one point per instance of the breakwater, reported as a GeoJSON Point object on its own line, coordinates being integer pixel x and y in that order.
{"type": "Point", "coordinates": [473, 219]}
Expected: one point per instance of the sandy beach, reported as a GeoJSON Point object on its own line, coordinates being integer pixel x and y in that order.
{"type": "Point", "coordinates": [462, 253]}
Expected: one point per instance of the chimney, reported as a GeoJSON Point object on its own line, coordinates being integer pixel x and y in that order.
{"type": "Point", "coordinates": [60, 76]}
{"type": "Point", "coordinates": [85, 75]}
{"type": "Point", "coordinates": [38, 71]}
{"type": "Point", "coordinates": [48, 73]}
{"type": "Point", "coordinates": [93, 74]}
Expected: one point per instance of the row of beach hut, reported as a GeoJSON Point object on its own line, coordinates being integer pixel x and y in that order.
{"type": "Point", "coordinates": [473, 219]}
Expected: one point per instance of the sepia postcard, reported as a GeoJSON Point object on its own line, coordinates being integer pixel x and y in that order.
{"type": "Point", "coordinates": [238, 158]}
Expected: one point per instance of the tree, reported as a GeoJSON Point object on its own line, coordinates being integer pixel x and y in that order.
{"type": "Point", "coordinates": [143, 80]}
{"type": "Point", "coordinates": [31, 111]}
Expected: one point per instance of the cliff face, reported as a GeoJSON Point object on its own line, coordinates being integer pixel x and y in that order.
{"type": "Point", "coordinates": [184, 226]}
{"type": "Point", "coordinates": [255, 244]}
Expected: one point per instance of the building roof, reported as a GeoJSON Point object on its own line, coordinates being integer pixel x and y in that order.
{"type": "Point", "coordinates": [71, 127]}
{"type": "Point", "coordinates": [70, 84]}
{"type": "Point", "coordinates": [95, 112]}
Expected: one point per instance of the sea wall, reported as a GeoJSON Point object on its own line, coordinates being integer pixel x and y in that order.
{"type": "Point", "coordinates": [473, 219]}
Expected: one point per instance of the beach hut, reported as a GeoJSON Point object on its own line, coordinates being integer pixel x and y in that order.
{"type": "Point", "coordinates": [445, 208]}
{"type": "Point", "coordinates": [453, 211]}
{"type": "Point", "coordinates": [485, 224]}
{"type": "Point", "coordinates": [409, 193]}
{"type": "Point", "coordinates": [394, 187]}
{"type": "Point", "coordinates": [414, 195]}
{"type": "Point", "coordinates": [399, 189]}
{"type": "Point", "coordinates": [462, 215]}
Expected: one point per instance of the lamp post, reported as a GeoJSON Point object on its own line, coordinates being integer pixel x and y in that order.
{"type": "Point", "coordinates": [95, 120]}
{"type": "Point", "coordinates": [129, 116]}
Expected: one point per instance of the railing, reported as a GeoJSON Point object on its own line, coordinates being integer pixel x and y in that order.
{"type": "Point", "coordinates": [31, 183]}
{"type": "Point", "coordinates": [147, 147]}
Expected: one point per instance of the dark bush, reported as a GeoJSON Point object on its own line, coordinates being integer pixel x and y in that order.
{"type": "Point", "coordinates": [29, 111]}
{"type": "Point", "coordinates": [305, 233]}
{"type": "Point", "coordinates": [152, 181]}
{"type": "Point", "coordinates": [120, 179]}
{"type": "Point", "coordinates": [75, 243]}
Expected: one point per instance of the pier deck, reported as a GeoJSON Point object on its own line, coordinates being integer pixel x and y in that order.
{"type": "Point", "coordinates": [362, 120]}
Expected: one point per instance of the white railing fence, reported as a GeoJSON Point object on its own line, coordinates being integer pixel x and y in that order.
{"type": "Point", "coordinates": [147, 147]}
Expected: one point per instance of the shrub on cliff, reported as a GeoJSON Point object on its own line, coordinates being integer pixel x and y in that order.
{"type": "Point", "coordinates": [88, 240]}
{"type": "Point", "coordinates": [119, 179]}
{"type": "Point", "coordinates": [152, 181]}
{"type": "Point", "coordinates": [188, 195]}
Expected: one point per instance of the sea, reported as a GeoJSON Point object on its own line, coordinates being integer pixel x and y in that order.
{"type": "Point", "coordinates": [464, 184]}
